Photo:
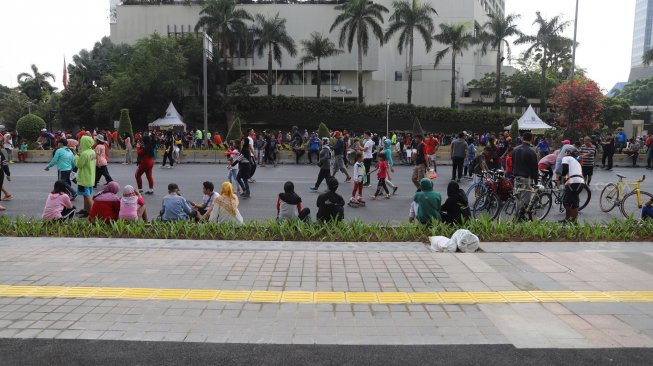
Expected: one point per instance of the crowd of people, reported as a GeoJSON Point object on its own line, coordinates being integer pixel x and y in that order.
{"type": "Point", "coordinates": [82, 159]}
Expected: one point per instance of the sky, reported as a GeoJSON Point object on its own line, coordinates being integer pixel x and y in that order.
{"type": "Point", "coordinates": [42, 32]}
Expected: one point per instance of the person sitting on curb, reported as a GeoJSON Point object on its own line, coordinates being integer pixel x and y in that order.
{"type": "Point", "coordinates": [428, 202]}
{"type": "Point", "coordinates": [106, 204]}
{"type": "Point", "coordinates": [289, 205]}
{"type": "Point", "coordinates": [225, 207]}
{"type": "Point", "coordinates": [456, 208]}
{"type": "Point", "coordinates": [58, 205]}
{"type": "Point", "coordinates": [132, 205]}
{"type": "Point", "coordinates": [201, 210]}
{"type": "Point", "coordinates": [174, 206]}
{"type": "Point", "coordinates": [330, 205]}
{"type": "Point", "coordinates": [647, 210]}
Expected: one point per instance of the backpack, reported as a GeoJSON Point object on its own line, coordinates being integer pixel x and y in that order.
{"type": "Point", "coordinates": [504, 188]}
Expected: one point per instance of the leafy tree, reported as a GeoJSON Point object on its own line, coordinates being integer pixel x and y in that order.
{"type": "Point", "coordinates": [579, 102]}
{"type": "Point", "coordinates": [29, 127]}
{"type": "Point", "coordinates": [235, 132]}
{"type": "Point", "coordinates": [76, 104]}
{"type": "Point", "coordinates": [614, 111]}
{"type": "Point", "coordinates": [410, 17]}
{"type": "Point", "coordinates": [125, 126]}
{"type": "Point", "coordinates": [271, 34]}
{"type": "Point", "coordinates": [226, 25]}
{"type": "Point", "coordinates": [13, 106]}
{"type": "Point", "coordinates": [638, 92]}
{"type": "Point", "coordinates": [315, 49]}
{"type": "Point", "coordinates": [494, 35]}
{"type": "Point", "coordinates": [514, 130]}
{"type": "Point", "coordinates": [457, 39]}
{"type": "Point", "coordinates": [356, 19]}
{"type": "Point", "coordinates": [647, 57]}
{"type": "Point", "coordinates": [33, 85]}
{"type": "Point", "coordinates": [548, 37]}
{"type": "Point", "coordinates": [323, 131]}
{"type": "Point", "coordinates": [526, 84]}
{"type": "Point", "coordinates": [242, 88]}
{"type": "Point", "coordinates": [488, 82]}
{"type": "Point", "coordinates": [4, 91]}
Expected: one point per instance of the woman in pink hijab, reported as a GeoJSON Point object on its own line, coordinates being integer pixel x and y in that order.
{"type": "Point", "coordinates": [106, 204]}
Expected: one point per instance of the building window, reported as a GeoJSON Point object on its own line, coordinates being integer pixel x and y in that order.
{"type": "Point", "coordinates": [398, 75]}
{"type": "Point", "coordinates": [328, 77]}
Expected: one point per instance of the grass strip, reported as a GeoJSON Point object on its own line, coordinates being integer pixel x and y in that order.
{"type": "Point", "coordinates": [351, 231]}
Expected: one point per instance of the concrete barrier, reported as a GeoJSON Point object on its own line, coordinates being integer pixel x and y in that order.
{"type": "Point", "coordinates": [286, 157]}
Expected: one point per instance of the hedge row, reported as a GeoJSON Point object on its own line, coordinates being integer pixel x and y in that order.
{"type": "Point", "coordinates": [308, 112]}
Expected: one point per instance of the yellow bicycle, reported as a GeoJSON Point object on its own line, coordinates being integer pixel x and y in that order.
{"type": "Point", "coordinates": [627, 195]}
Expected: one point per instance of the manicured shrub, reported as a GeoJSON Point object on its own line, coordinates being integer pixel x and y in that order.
{"type": "Point", "coordinates": [514, 130]}
{"type": "Point", "coordinates": [125, 126]}
{"type": "Point", "coordinates": [235, 132]}
{"type": "Point", "coordinates": [323, 131]}
{"type": "Point", "coordinates": [29, 127]}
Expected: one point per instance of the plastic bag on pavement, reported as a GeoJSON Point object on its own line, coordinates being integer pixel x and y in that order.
{"type": "Point", "coordinates": [465, 241]}
{"type": "Point", "coordinates": [442, 244]}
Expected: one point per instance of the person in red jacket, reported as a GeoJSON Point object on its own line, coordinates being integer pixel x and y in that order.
{"type": "Point", "coordinates": [106, 204]}
{"type": "Point", "coordinates": [145, 153]}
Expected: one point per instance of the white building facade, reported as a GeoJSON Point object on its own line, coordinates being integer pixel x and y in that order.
{"type": "Point", "coordinates": [385, 71]}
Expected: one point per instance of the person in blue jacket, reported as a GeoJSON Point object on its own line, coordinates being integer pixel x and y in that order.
{"type": "Point", "coordinates": [64, 160]}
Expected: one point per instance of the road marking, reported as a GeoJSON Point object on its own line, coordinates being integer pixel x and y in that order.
{"type": "Point", "coordinates": [310, 297]}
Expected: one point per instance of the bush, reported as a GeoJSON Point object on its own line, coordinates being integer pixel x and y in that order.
{"type": "Point", "coordinates": [235, 132]}
{"type": "Point", "coordinates": [323, 131]}
{"type": "Point", "coordinates": [281, 111]}
{"type": "Point", "coordinates": [514, 130]}
{"type": "Point", "coordinates": [29, 127]}
{"type": "Point", "coordinates": [125, 126]}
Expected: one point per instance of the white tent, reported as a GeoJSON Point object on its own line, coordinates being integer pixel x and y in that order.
{"type": "Point", "coordinates": [171, 120]}
{"type": "Point", "coordinates": [530, 121]}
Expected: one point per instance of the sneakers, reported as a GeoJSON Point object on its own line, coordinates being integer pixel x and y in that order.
{"type": "Point", "coordinates": [387, 196]}
{"type": "Point", "coordinates": [348, 180]}
{"type": "Point", "coordinates": [313, 188]}
{"type": "Point", "coordinates": [373, 197]}
{"type": "Point", "coordinates": [82, 214]}
{"type": "Point", "coordinates": [149, 191]}
{"type": "Point", "coordinates": [394, 190]}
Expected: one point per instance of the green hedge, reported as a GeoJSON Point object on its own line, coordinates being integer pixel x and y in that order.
{"type": "Point", "coordinates": [354, 231]}
{"type": "Point", "coordinates": [308, 112]}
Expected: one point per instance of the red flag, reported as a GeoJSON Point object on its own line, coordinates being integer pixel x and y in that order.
{"type": "Point", "coordinates": [65, 74]}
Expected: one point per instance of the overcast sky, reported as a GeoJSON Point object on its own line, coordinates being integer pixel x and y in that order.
{"type": "Point", "coordinates": [41, 32]}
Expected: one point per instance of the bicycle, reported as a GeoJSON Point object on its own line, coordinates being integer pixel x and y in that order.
{"type": "Point", "coordinates": [559, 193]}
{"type": "Point", "coordinates": [630, 200]}
{"type": "Point", "coordinates": [486, 201]}
{"type": "Point", "coordinates": [538, 206]}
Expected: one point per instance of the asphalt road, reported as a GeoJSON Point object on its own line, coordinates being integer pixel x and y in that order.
{"type": "Point", "coordinates": [81, 352]}
{"type": "Point", "coordinates": [31, 184]}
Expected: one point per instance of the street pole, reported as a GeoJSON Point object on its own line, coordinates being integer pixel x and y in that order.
{"type": "Point", "coordinates": [387, 117]}
{"type": "Point", "coordinates": [573, 52]}
{"type": "Point", "coordinates": [206, 108]}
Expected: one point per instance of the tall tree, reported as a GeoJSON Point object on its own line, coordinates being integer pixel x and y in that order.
{"type": "Point", "coordinates": [647, 57]}
{"type": "Point", "coordinates": [494, 36]}
{"type": "Point", "coordinates": [315, 49]}
{"type": "Point", "coordinates": [357, 18]}
{"type": "Point", "coordinates": [410, 17]}
{"type": "Point", "coordinates": [226, 25]}
{"type": "Point", "coordinates": [271, 34]}
{"type": "Point", "coordinates": [33, 85]}
{"type": "Point", "coordinates": [547, 37]}
{"type": "Point", "coordinates": [458, 39]}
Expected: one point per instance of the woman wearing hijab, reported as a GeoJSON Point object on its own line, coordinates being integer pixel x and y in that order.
{"type": "Point", "coordinates": [146, 163]}
{"type": "Point", "coordinates": [289, 204]}
{"type": "Point", "coordinates": [225, 207]}
{"type": "Point", "coordinates": [428, 202]}
{"type": "Point", "coordinates": [456, 207]}
{"type": "Point", "coordinates": [106, 204]}
{"type": "Point", "coordinates": [243, 161]}
{"type": "Point", "coordinates": [132, 205]}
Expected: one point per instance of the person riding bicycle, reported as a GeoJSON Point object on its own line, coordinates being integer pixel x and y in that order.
{"type": "Point", "coordinates": [573, 171]}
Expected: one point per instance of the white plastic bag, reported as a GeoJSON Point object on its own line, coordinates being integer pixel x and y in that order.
{"type": "Point", "coordinates": [442, 244]}
{"type": "Point", "coordinates": [465, 241]}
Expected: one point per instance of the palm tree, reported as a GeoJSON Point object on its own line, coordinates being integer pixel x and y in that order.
{"type": "Point", "coordinates": [547, 35]}
{"type": "Point", "coordinates": [315, 49]}
{"type": "Point", "coordinates": [357, 18]}
{"type": "Point", "coordinates": [270, 34]}
{"type": "Point", "coordinates": [408, 18]}
{"type": "Point", "coordinates": [647, 58]}
{"type": "Point", "coordinates": [458, 39]}
{"type": "Point", "coordinates": [494, 34]}
{"type": "Point", "coordinates": [225, 24]}
{"type": "Point", "coordinates": [33, 85]}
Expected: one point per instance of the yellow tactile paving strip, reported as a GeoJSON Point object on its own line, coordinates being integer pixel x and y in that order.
{"type": "Point", "coordinates": [325, 297]}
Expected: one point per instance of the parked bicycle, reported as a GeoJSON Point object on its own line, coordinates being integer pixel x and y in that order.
{"type": "Point", "coordinates": [627, 195]}
{"type": "Point", "coordinates": [558, 193]}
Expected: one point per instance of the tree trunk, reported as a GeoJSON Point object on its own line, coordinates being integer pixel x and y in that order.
{"type": "Point", "coordinates": [497, 87]}
{"type": "Point", "coordinates": [543, 91]}
{"type": "Point", "coordinates": [410, 70]}
{"type": "Point", "coordinates": [270, 70]}
{"type": "Point", "coordinates": [453, 79]}
{"type": "Point", "coordinates": [360, 72]}
{"type": "Point", "coordinates": [319, 78]}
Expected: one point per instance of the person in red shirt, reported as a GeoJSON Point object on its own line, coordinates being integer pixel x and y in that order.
{"type": "Point", "coordinates": [81, 133]}
{"type": "Point", "coordinates": [382, 174]}
{"type": "Point", "coordinates": [106, 204]}
{"type": "Point", "coordinates": [217, 139]}
{"type": "Point", "coordinates": [431, 144]}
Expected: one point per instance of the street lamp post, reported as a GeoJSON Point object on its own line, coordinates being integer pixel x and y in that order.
{"type": "Point", "coordinates": [207, 54]}
{"type": "Point", "coordinates": [573, 52]}
{"type": "Point", "coordinates": [387, 117]}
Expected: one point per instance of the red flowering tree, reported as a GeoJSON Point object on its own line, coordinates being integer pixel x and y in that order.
{"type": "Point", "coordinates": [578, 103]}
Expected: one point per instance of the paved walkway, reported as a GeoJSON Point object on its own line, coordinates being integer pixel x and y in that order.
{"type": "Point", "coordinates": [530, 296]}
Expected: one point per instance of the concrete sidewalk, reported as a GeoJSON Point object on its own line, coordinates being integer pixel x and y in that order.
{"type": "Point", "coordinates": [534, 295]}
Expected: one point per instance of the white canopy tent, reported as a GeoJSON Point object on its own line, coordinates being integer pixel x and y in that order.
{"type": "Point", "coordinates": [530, 121]}
{"type": "Point", "coordinates": [171, 120]}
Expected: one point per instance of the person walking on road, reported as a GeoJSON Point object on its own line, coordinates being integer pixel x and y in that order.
{"type": "Point", "coordinates": [587, 153]}
{"type": "Point", "coordinates": [86, 168]}
{"type": "Point", "coordinates": [169, 145]}
{"type": "Point", "coordinates": [339, 156]}
{"type": "Point", "coordinates": [608, 145]}
{"type": "Point", "coordinates": [524, 166]}
{"type": "Point", "coordinates": [323, 163]}
{"type": "Point", "coordinates": [102, 162]}
{"type": "Point", "coordinates": [64, 160]}
{"type": "Point", "coordinates": [458, 153]}
{"type": "Point", "coordinates": [368, 155]}
{"type": "Point", "coordinates": [420, 162]}
{"type": "Point", "coordinates": [145, 165]}
{"type": "Point", "coordinates": [127, 141]}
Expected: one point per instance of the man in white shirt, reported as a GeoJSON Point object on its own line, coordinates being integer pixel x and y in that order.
{"type": "Point", "coordinates": [9, 147]}
{"type": "Point", "coordinates": [368, 154]}
{"type": "Point", "coordinates": [572, 171]}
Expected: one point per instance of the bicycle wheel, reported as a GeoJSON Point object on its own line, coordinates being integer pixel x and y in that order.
{"type": "Point", "coordinates": [585, 196]}
{"type": "Point", "coordinates": [486, 206]}
{"type": "Point", "coordinates": [508, 209]}
{"type": "Point", "coordinates": [609, 198]}
{"type": "Point", "coordinates": [475, 191]}
{"type": "Point", "coordinates": [542, 206]}
{"type": "Point", "coordinates": [630, 208]}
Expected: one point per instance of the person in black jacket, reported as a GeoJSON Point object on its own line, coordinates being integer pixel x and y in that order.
{"type": "Point", "coordinates": [456, 207]}
{"type": "Point", "coordinates": [169, 144]}
{"type": "Point", "coordinates": [4, 171]}
{"type": "Point", "coordinates": [324, 163]}
{"type": "Point", "coordinates": [524, 168]}
{"type": "Point", "coordinates": [330, 205]}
